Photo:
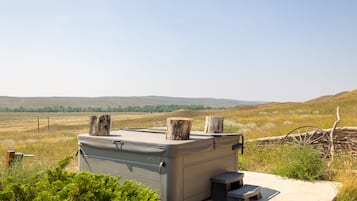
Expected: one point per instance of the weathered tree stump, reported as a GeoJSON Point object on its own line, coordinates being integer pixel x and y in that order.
{"type": "Point", "coordinates": [214, 124]}
{"type": "Point", "coordinates": [178, 128]}
{"type": "Point", "coordinates": [10, 158]}
{"type": "Point", "coordinates": [104, 125]}
{"type": "Point", "coordinates": [93, 126]}
{"type": "Point", "coordinates": [99, 126]}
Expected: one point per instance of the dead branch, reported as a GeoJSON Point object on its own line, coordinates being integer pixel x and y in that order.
{"type": "Point", "coordinates": [332, 147]}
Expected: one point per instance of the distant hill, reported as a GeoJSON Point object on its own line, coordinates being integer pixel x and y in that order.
{"type": "Point", "coordinates": [40, 102]}
{"type": "Point", "coordinates": [269, 119]}
{"type": "Point", "coordinates": [339, 96]}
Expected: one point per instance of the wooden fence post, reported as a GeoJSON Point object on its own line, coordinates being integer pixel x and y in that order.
{"type": "Point", "coordinates": [38, 124]}
{"type": "Point", "coordinates": [10, 158]}
{"type": "Point", "coordinates": [214, 124]}
{"type": "Point", "coordinates": [178, 128]}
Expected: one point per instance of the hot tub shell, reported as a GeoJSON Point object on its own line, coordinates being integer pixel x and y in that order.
{"type": "Point", "coordinates": [178, 170]}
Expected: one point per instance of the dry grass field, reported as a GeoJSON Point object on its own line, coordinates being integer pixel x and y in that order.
{"type": "Point", "coordinates": [19, 131]}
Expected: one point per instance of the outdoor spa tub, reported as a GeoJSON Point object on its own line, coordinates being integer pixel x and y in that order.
{"type": "Point", "coordinates": [177, 169]}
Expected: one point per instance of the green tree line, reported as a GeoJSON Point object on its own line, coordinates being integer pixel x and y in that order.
{"type": "Point", "coordinates": [147, 108]}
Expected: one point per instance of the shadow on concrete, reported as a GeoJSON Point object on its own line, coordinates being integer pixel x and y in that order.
{"type": "Point", "coordinates": [268, 194]}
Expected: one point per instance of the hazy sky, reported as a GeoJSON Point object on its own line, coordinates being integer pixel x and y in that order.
{"type": "Point", "coordinates": [249, 50]}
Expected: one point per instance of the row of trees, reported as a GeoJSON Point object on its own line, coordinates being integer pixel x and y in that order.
{"type": "Point", "coordinates": [147, 108]}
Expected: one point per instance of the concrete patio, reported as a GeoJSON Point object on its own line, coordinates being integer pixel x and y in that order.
{"type": "Point", "coordinates": [276, 188]}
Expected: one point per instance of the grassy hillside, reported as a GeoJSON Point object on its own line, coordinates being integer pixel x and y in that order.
{"type": "Point", "coordinates": [39, 102]}
{"type": "Point", "coordinates": [268, 119]}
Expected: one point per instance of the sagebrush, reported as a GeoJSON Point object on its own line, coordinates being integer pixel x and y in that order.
{"type": "Point", "coordinates": [57, 184]}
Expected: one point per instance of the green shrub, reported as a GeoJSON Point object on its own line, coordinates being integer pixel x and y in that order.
{"type": "Point", "coordinates": [260, 158]}
{"type": "Point", "coordinates": [57, 184]}
{"type": "Point", "coordinates": [300, 163]}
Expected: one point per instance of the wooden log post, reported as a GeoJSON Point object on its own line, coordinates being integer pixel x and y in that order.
{"type": "Point", "coordinates": [10, 158]}
{"type": "Point", "coordinates": [93, 126]}
{"type": "Point", "coordinates": [104, 125]}
{"type": "Point", "coordinates": [214, 124]}
{"type": "Point", "coordinates": [99, 126]}
{"type": "Point", "coordinates": [178, 128]}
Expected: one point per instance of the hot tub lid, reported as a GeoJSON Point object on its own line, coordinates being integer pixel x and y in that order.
{"type": "Point", "coordinates": [149, 142]}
